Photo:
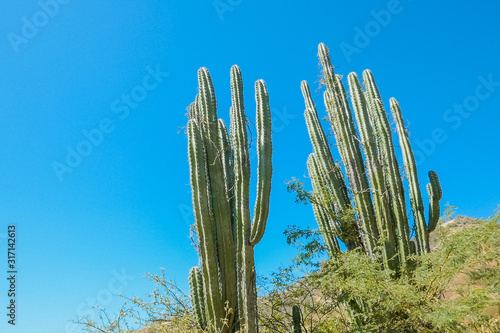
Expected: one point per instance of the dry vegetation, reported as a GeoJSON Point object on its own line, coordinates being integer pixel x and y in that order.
{"type": "Point", "coordinates": [455, 288]}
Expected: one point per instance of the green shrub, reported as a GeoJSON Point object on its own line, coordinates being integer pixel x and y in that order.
{"type": "Point", "coordinates": [455, 288]}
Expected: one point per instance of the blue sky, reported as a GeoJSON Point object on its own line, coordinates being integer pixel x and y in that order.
{"type": "Point", "coordinates": [124, 209]}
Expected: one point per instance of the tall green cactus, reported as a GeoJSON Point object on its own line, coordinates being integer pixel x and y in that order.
{"type": "Point", "coordinates": [220, 181]}
{"type": "Point", "coordinates": [372, 171]}
{"type": "Point", "coordinates": [296, 319]}
{"type": "Point", "coordinates": [331, 200]}
{"type": "Point", "coordinates": [422, 230]}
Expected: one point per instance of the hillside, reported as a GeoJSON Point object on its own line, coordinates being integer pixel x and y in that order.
{"type": "Point", "coordinates": [455, 288]}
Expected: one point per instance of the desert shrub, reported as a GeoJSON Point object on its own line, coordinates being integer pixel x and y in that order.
{"type": "Point", "coordinates": [455, 288]}
{"type": "Point", "coordinates": [166, 309]}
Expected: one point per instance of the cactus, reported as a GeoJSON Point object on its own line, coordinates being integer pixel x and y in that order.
{"type": "Point", "coordinates": [434, 189]}
{"type": "Point", "coordinates": [372, 172]}
{"type": "Point", "coordinates": [331, 200]}
{"type": "Point", "coordinates": [197, 296]}
{"type": "Point", "coordinates": [348, 145]}
{"type": "Point", "coordinates": [296, 318]}
{"type": "Point", "coordinates": [376, 175]}
{"type": "Point", "coordinates": [435, 194]}
{"type": "Point", "coordinates": [220, 181]}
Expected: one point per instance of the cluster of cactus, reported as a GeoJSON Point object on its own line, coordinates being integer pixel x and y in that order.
{"type": "Point", "coordinates": [368, 210]}
{"type": "Point", "coordinates": [220, 181]}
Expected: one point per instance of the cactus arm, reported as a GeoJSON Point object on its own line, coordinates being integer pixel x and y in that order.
{"type": "Point", "coordinates": [323, 196]}
{"type": "Point", "coordinates": [330, 172]}
{"type": "Point", "coordinates": [225, 226]}
{"type": "Point", "coordinates": [435, 194]}
{"type": "Point", "coordinates": [417, 204]}
{"type": "Point", "coordinates": [241, 158]}
{"type": "Point", "coordinates": [328, 72]}
{"type": "Point", "coordinates": [247, 293]}
{"type": "Point", "coordinates": [261, 210]}
{"type": "Point", "coordinates": [227, 164]}
{"type": "Point", "coordinates": [354, 165]}
{"type": "Point", "coordinates": [343, 226]}
{"type": "Point", "coordinates": [193, 110]}
{"type": "Point", "coordinates": [198, 296]}
{"type": "Point", "coordinates": [265, 168]}
{"type": "Point", "coordinates": [221, 209]}
{"type": "Point", "coordinates": [335, 180]}
{"type": "Point", "coordinates": [383, 141]}
{"type": "Point", "coordinates": [375, 173]}
{"type": "Point", "coordinates": [329, 229]}
{"type": "Point", "coordinates": [205, 226]}
{"type": "Point", "coordinates": [350, 152]}
{"type": "Point", "coordinates": [208, 103]}
{"type": "Point", "coordinates": [239, 146]}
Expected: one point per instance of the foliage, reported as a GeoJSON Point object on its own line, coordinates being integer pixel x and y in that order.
{"type": "Point", "coordinates": [309, 243]}
{"type": "Point", "coordinates": [455, 288]}
{"type": "Point", "coordinates": [166, 307]}
{"type": "Point", "coordinates": [302, 195]}
{"type": "Point", "coordinates": [289, 287]}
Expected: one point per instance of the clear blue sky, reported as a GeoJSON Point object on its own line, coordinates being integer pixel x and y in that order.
{"type": "Point", "coordinates": [125, 206]}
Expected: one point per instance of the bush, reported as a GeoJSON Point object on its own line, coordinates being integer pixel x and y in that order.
{"type": "Point", "coordinates": [455, 288]}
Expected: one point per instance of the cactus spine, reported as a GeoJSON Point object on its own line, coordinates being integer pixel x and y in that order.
{"type": "Point", "coordinates": [374, 178]}
{"type": "Point", "coordinates": [220, 180]}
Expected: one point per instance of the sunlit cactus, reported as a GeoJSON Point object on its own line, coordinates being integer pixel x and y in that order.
{"type": "Point", "coordinates": [198, 295]}
{"type": "Point", "coordinates": [372, 179]}
{"type": "Point", "coordinates": [422, 229]}
{"type": "Point", "coordinates": [220, 180]}
{"type": "Point", "coordinates": [331, 202]}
